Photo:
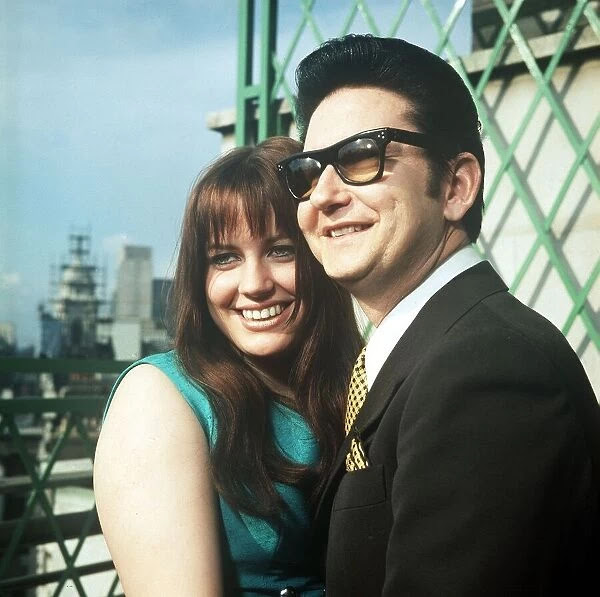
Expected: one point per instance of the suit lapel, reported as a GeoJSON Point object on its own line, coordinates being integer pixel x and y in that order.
{"type": "Point", "coordinates": [438, 315]}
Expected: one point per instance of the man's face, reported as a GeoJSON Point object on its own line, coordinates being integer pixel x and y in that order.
{"type": "Point", "coordinates": [376, 237]}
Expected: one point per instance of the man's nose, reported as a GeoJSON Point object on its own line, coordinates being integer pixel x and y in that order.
{"type": "Point", "coordinates": [330, 192]}
{"type": "Point", "coordinates": [255, 278]}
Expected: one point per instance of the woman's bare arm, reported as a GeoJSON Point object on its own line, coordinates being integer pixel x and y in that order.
{"type": "Point", "coordinates": [154, 493]}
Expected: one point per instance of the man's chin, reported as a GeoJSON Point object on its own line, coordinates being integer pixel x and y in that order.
{"type": "Point", "coordinates": [349, 278]}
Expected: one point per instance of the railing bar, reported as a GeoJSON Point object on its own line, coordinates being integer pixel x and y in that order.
{"type": "Point", "coordinates": [349, 19]}
{"type": "Point", "coordinates": [307, 9]}
{"type": "Point", "coordinates": [498, 47]}
{"type": "Point", "coordinates": [368, 17]}
{"type": "Point", "coordinates": [113, 586]}
{"type": "Point", "coordinates": [19, 530]}
{"type": "Point", "coordinates": [525, 265]}
{"type": "Point", "coordinates": [87, 405]}
{"type": "Point", "coordinates": [280, 78]}
{"type": "Point", "coordinates": [60, 540]}
{"type": "Point", "coordinates": [580, 302]}
{"type": "Point", "coordinates": [449, 25]}
{"type": "Point", "coordinates": [35, 365]}
{"type": "Point", "coordinates": [280, 82]}
{"type": "Point", "coordinates": [572, 173]}
{"type": "Point", "coordinates": [22, 483]}
{"type": "Point", "coordinates": [592, 18]}
{"type": "Point", "coordinates": [556, 205]}
{"type": "Point", "coordinates": [399, 18]}
{"type": "Point", "coordinates": [40, 531]}
{"type": "Point", "coordinates": [37, 493]}
{"type": "Point", "coordinates": [31, 580]}
{"type": "Point", "coordinates": [85, 529]}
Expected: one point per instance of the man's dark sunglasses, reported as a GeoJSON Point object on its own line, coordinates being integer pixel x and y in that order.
{"type": "Point", "coordinates": [358, 160]}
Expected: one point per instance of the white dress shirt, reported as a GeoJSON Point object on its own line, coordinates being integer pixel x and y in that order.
{"type": "Point", "coordinates": [396, 322]}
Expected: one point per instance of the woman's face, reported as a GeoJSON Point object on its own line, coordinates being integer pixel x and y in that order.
{"type": "Point", "coordinates": [251, 291]}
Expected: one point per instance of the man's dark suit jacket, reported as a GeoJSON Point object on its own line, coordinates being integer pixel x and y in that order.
{"type": "Point", "coordinates": [483, 440]}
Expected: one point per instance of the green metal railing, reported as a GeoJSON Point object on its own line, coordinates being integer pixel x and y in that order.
{"type": "Point", "coordinates": [67, 428]}
{"type": "Point", "coordinates": [575, 29]}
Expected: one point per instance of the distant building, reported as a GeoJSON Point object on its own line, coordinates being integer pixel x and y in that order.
{"type": "Point", "coordinates": [69, 325]}
{"type": "Point", "coordinates": [138, 326]}
{"type": "Point", "coordinates": [51, 341]}
{"type": "Point", "coordinates": [7, 338]}
{"type": "Point", "coordinates": [133, 293]}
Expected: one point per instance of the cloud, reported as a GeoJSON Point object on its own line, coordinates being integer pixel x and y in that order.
{"type": "Point", "coordinates": [111, 245]}
{"type": "Point", "coordinates": [10, 280]}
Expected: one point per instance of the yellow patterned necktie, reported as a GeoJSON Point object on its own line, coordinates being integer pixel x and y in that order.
{"type": "Point", "coordinates": [357, 392]}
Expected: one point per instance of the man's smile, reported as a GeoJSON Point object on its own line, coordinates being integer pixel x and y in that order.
{"type": "Point", "coordinates": [343, 230]}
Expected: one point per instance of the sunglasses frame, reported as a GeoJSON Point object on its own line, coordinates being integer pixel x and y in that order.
{"type": "Point", "coordinates": [381, 136]}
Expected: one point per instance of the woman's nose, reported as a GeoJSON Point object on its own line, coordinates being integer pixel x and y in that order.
{"type": "Point", "coordinates": [255, 278]}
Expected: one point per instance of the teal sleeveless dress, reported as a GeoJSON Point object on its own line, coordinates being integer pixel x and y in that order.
{"type": "Point", "coordinates": [259, 559]}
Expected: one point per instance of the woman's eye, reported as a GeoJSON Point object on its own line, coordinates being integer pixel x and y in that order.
{"type": "Point", "coordinates": [223, 259]}
{"type": "Point", "coordinates": [283, 251]}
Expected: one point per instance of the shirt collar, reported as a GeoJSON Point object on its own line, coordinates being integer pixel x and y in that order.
{"type": "Point", "coordinates": [396, 322]}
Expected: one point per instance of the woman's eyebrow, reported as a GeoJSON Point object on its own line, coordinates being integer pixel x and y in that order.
{"type": "Point", "coordinates": [218, 246]}
{"type": "Point", "coordinates": [276, 237]}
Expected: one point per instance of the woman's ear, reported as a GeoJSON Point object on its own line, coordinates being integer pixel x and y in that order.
{"type": "Point", "coordinates": [462, 186]}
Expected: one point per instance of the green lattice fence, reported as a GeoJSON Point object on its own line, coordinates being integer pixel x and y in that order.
{"type": "Point", "coordinates": [533, 68]}
{"type": "Point", "coordinates": [42, 538]}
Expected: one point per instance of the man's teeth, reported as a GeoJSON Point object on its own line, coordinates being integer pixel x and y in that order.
{"type": "Point", "coordinates": [263, 313]}
{"type": "Point", "coordinates": [345, 230]}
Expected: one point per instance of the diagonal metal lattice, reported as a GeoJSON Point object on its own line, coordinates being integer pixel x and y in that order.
{"type": "Point", "coordinates": [38, 505]}
{"type": "Point", "coordinates": [507, 41]}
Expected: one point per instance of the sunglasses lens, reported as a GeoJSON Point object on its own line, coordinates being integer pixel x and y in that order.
{"type": "Point", "coordinates": [359, 160]}
{"type": "Point", "coordinates": [302, 175]}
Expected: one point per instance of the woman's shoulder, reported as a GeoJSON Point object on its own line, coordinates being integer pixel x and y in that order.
{"type": "Point", "coordinates": [161, 377]}
{"type": "Point", "coordinates": [153, 485]}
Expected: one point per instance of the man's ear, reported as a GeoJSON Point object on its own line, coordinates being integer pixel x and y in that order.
{"type": "Point", "coordinates": [462, 186]}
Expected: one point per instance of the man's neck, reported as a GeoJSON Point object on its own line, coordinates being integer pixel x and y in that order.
{"type": "Point", "coordinates": [377, 303]}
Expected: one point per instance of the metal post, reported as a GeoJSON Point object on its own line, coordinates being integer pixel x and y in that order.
{"type": "Point", "coordinates": [245, 47]}
{"type": "Point", "coordinates": [267, 109]}
{"type": "Point", "coordinates": [252, 95]}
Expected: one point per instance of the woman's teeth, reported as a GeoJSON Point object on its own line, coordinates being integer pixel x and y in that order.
{"type": "Point", "coordinates": [263, 313]}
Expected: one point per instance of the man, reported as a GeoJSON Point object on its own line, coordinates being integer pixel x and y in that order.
{"type": "Point", "coordinates": [471, 468]}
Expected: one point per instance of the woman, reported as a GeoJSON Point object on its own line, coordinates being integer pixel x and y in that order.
{"type": "Point", "coordinates": [211, 455]}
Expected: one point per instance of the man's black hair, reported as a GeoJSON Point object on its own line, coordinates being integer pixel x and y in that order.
{"type": "Point", "coordinates": [441, 103]}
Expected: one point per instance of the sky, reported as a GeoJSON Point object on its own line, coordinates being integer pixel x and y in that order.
{"type": "Point", "coordinates": [103, 109]}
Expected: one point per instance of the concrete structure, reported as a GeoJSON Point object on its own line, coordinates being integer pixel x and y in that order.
{"type": "Point", "coordinates": [8, 333]}
{"type": "Point", "coordinates": [133, 293]}
{"type": "Point", "coordinates": [138, 323]}
{"type": "Point", "coordinates": [69, 326]}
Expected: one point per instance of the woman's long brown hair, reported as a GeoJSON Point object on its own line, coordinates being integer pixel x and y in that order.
{"type": "Point", "coordinates": [242, 186]}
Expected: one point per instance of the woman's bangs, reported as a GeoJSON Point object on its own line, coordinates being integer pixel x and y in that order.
{"type": "Point", "coordinates": [219, 215]}
{"type": "Point", "coordinates": [252, 207]}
